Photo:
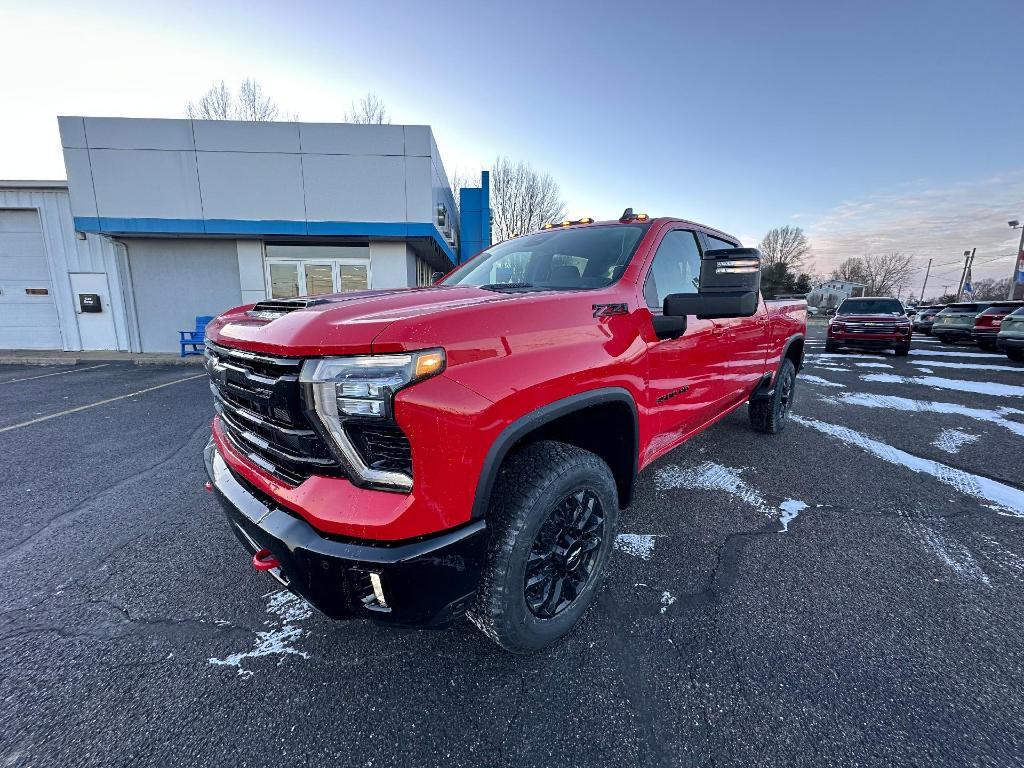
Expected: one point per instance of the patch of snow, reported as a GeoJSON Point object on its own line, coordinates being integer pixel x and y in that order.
{"type": "Point", "coordinates": [289, 609]}
{"type": "Point", "coordinates": [952, 440]}
{"type": "Point", "coordinates": [925, 370]}
{"type": "Point", "coordinates": [1004, 497]}
{"type": "Point", "coordinates": [666, 600]}
{"type": "Point", "coordinates": [869, 400]}
{"type": "Point", "coordinates": [966, 366]}
{"type": "Point", "coordinates": [1006, 560]}
{"type": "Point", "coordinates": [954, 555]}
{"type": "Point", "coordinates": [636, 544]}
{"type": "Point", "coordinates": [959, 385]}
{"type": "Point", "coordinates": [790, 509]}
{"type": "Point", "coordinates": [709, 476]}
{"type": "Point", "coordinates": [872, 365]}
{"type": "Point", "coordinates": [947, 353]}
{"type": "Point", "coordinates": [820, 381]}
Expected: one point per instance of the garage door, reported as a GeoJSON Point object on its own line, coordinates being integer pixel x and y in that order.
{"type": "Point", "coordinates": [28, 315]}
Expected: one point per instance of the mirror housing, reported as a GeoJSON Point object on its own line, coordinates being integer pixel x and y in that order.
{"type": "Point", "coordinates": [730, 285]}
{"type": "Point", "coordinates": [435, 276]}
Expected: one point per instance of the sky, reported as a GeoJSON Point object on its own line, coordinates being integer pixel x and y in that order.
{"type": "Point", "coordinates": [874, 126]}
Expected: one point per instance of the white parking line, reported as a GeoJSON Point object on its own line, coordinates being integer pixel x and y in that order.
{"type": "Point", "coordinates": [100, 402]}
{"type": "Point", "coordinates": [55, 373]}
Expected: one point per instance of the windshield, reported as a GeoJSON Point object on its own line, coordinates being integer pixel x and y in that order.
{"type": "Point", "coordinates": [871, 307]}
{"type": "Point", "coordinates": [581, 258]}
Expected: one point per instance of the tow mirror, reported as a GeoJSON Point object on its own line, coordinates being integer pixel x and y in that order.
{"type": "Point", "coordinates": [435, 276]}
{"type": "Point", "coordinates": [730, 283]}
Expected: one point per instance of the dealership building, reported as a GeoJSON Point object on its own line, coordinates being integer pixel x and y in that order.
{"type": "Point", "coordinates": [161, 221]}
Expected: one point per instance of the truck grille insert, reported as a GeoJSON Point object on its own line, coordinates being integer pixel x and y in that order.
{"type": "Point", "coordinates": [871, 327]}
{"type": "Point", "coordinates": [260, 406]}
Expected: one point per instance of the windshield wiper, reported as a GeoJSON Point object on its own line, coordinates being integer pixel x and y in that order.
{"type": "Point", "coordinates": [506, 286]}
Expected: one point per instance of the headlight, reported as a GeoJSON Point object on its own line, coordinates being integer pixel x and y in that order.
{"type": "Point", "coordinates": [362, 388]}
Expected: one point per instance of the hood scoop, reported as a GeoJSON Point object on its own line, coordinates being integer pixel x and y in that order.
{"type": "Point", "coordinates": [275, 308]}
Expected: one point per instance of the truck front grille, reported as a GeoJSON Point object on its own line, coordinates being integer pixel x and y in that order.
{"type": "Point", "coordinates": [260, 406]}
{"type": "Point", "coordinates": [869, 327]}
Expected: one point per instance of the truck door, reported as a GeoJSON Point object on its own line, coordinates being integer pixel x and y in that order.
{"type": "Point", "coordinates": [688, 376]}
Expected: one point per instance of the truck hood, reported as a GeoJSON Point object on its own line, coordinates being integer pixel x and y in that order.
{"type": "Point", "coordinates": [341, 324]}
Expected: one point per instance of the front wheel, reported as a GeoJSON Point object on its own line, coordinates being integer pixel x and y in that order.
{"type": "Point", "coordinates": [770, 414]}
{"type": "Point", "coordinates": [552, 524]}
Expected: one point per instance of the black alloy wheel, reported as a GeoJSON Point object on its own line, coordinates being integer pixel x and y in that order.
{"type": "Point", "coordinates": [563, 557]}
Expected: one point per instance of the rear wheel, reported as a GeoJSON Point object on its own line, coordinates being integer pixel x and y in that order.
{"type": "Point", "coordinates": [552, 524]}
{"type": "Point", "coordinates": [770, 414]}
{"type": "Point", "coordinates": [1017, 355]}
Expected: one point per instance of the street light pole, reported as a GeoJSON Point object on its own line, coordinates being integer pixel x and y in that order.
{"type": "Point", "coordinates": [1018, 258]}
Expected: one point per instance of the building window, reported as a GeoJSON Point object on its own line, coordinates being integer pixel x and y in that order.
{"type": "Point", "coordinates": [309, 270]}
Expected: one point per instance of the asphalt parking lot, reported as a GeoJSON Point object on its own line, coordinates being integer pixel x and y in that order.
{"type": "Point", "coordinates": [845, 593]}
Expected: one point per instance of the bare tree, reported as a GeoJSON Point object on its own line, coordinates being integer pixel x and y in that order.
{"type": "Point", "coordinates": [522, 200]}
{"type": "Point", "coordinates": [369, 111]}
{"type": "Point", "coordinates": [851, 270]}
{"type": "Point", "coordinates": [252, 104]}
{"type": "Point", "coordinates": [991, 288]}
{"type": "Point", "coordinates": [785, 245]}
{"type": "Point", "coordinates": [216, 104]}
{"type": "Point", "coordinates": [886, 273]}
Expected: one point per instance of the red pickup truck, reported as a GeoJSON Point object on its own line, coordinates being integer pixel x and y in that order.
{"type": "Point", "coordinates": [414, 455]}
{"type": "Point", "coordinates": [870, 322]}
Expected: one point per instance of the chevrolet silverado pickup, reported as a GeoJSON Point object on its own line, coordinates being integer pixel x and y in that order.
{"type": "Point", "coordinates": [419, 454]}
{"type": "Point", "coordinates": [870, 323]}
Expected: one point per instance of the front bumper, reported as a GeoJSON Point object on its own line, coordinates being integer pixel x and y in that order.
{"type": "Point", "coordinates": [951, 332]}
{"type": "Point", "coordinates": [869, 340]}
{"type": "Point", "coordinates": [427, 581]}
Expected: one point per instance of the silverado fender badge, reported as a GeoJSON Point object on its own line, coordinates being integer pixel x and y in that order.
{"type": "Point", "coordinates": [607, 310]}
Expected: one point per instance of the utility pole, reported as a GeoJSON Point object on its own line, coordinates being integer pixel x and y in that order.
{"type": "Point", "coordinates": [968, 258]}
{"type": "Point", "coordinates": [926, 273]}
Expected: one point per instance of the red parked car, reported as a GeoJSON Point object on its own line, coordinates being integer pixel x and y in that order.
{"type": "Point", "coordinates": [870, 323]}
{"type": "Point", "coordinates": [413, 455]}
{"type": "Point", "coordinates": [987, 324]}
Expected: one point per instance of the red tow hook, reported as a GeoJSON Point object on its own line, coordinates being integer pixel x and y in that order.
{"type": "Point", "coordinates": [264, 560]}
{"type": "Point", "coordinates": [208, 486]}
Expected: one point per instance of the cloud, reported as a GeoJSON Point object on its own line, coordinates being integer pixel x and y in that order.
{"type": "Point", "coordinates": [927, 221]}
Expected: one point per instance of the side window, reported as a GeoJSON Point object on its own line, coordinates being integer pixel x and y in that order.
{"type": "Point", "coordinates": [714, 242]}
{"type": "Point", "coordinates": [676, 268]}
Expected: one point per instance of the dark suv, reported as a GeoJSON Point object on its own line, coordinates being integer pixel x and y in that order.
{"type": "Point", "coordinates": [925, 317]}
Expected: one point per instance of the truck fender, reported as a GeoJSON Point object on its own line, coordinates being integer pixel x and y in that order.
{"type": "Point", "coordinates": [766, 387]}
{"type": "Point", "coordinates": [535, 419]}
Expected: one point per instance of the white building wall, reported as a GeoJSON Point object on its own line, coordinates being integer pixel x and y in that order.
{"type": "Point", "coordinates": [65, 253]}
{"type": "Point", "coordinates": [392, 264]}
{"type": "Point", "coordinates": [251, 275]}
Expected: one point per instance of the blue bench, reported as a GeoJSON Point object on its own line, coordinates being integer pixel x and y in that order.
{"type": "Point", "coordinates": [192, 341]}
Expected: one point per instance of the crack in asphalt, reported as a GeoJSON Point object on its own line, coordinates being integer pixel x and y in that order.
{"type": "Point", "coordinates": [26, 542]}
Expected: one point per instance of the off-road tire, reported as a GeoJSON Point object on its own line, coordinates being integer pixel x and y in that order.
{"type": "Point", "coordinates": [1015, 354]}
{"type": "Point", "coordinates": [771, 414]}
{"type": "Point", "coordinates": [530, 484]}
{"type": "Point", "coordinates": [902, 351]}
